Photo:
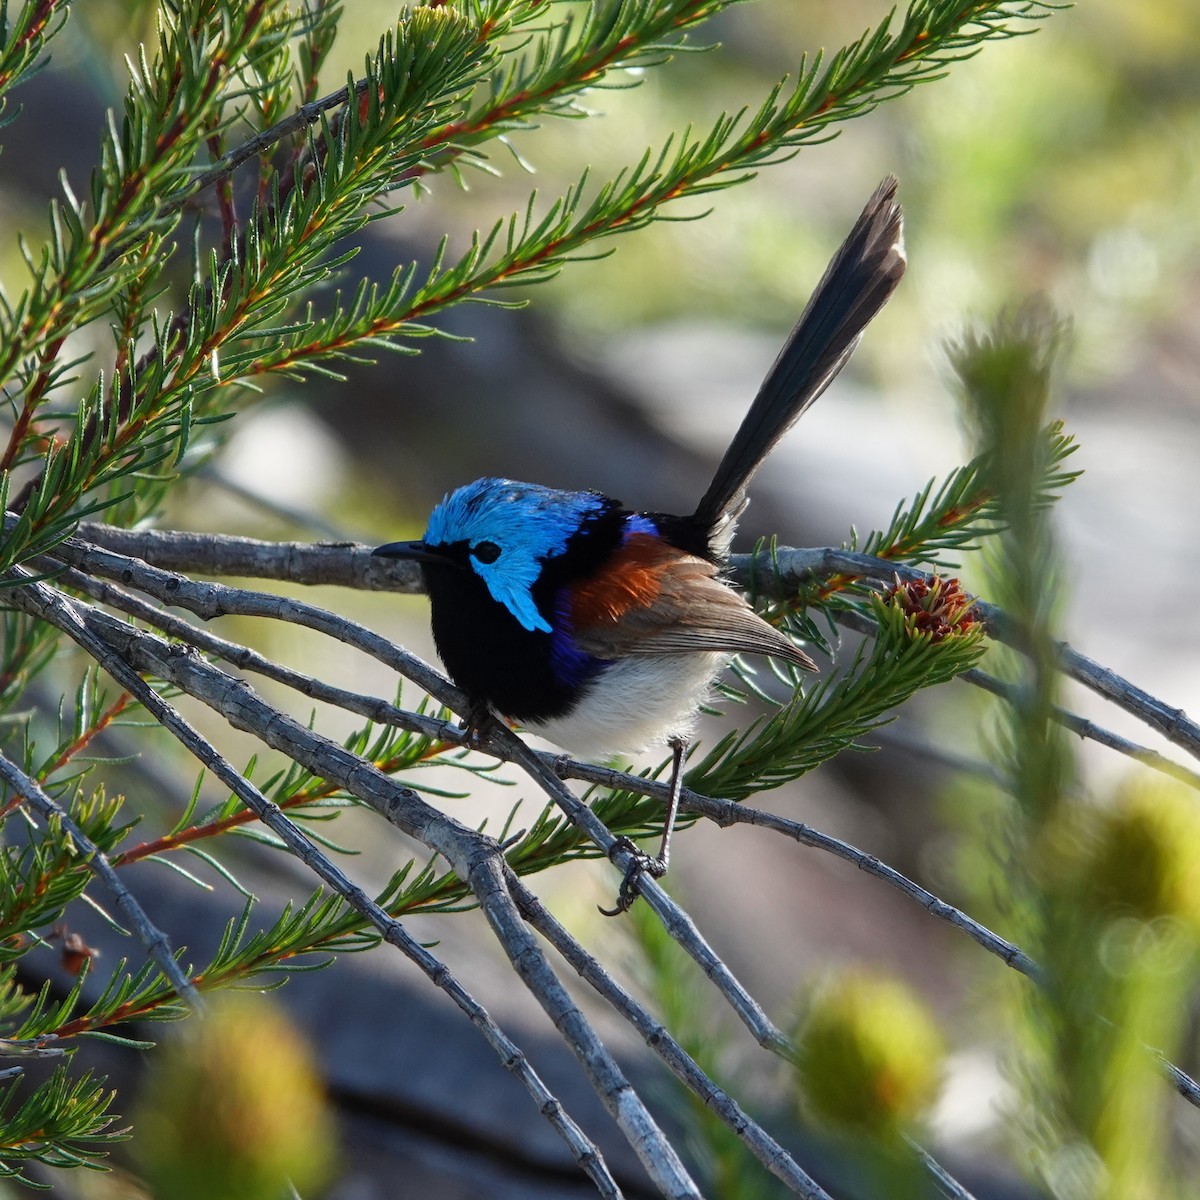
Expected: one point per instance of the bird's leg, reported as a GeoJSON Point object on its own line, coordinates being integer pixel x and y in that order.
{"type": "Point", "coordinates": [641, 862]}
{"type": "Point", "coordinates": [678, 747]}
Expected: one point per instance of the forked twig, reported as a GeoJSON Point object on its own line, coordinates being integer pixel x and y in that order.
{"type": "Point", "coordinates": [42, 601]}
{"type": "Point", "coordinates": [772, 1155]}
{"type": "Point", "coordinates": [123, 651]}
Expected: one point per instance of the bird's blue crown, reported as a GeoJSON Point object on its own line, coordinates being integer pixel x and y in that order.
{"type": "Point", "coordinates": [510, 530]}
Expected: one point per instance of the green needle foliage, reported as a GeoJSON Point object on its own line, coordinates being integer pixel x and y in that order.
{"type": "Point", "coordinates": [195, 318]}
{"type": "Point", "coordinates": [64, 1123]}
{"type": "Point", "coordinates": [960, 512]}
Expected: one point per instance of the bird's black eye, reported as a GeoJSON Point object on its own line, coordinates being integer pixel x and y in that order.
{"type": "Point", "coordinates": [485, 552]}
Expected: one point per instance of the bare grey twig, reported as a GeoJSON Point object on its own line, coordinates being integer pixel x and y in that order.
{"type": "Point", "coordinates": [726, 813]}
{"type": "Point", "coordinates": [757, 1141]}
{"type": "Point", "coordinates": [946, 1184]}
{"type": "Point", "coordinates": [1084, 728]}
{"type": "Point", "coordinates": [789, 568]}
{"type": "Point", "coordinates": [1180, 1080]}
{"type": "Point", "coordinates": [210, 600]}
{"type": "Point", "coordinates": [343, 564]}
{"type": "Point", "coordinates": [304, 116]}
{"type": "Point", "coordinates": [1080, 726]}
{"type": "Point", "coordinates": [488, 882]}
{"type": "Point", "coordinates": [29, 1048]}
{"type": "Point", "coordinates": [721, 812]}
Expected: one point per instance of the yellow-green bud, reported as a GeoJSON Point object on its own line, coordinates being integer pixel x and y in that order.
{"type": "Point", "coordinates": [233, 1109]}
{"type": "Point", "coordinates": [870, 1055]}
{"type": "Point", "coordinates": [1146, 859]}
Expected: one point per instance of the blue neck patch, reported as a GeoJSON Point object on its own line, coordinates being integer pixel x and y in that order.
{"type": "Point", "coordinates": [525, 522]}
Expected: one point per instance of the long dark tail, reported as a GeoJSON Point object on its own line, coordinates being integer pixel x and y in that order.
{"type": "Point", "coordinates": [856, 285]}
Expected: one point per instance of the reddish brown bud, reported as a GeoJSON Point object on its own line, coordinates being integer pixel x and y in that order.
{"type": "Point", "coordinates": [937, 607]}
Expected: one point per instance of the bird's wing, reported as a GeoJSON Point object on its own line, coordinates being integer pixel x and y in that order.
{"type": "Point", "coordinates": [653, 599]}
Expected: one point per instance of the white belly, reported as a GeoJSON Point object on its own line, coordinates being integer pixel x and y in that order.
{"type": "Point", "coordinates": [636, 703]}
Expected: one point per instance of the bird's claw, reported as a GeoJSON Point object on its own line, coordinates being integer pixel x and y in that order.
{"type": "Point", "coordinates": [477, 725]}
{"type": "Point", "coordinates": [639, 864]}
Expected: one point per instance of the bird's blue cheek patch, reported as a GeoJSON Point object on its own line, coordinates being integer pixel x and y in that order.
{"type": "Point", "coordinates": [511, 584]}
{"type": "Point", "coordinates": [528, 524]}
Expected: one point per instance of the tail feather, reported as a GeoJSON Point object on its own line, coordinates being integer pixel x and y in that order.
{"type": "Point", "coordinates": [857, 283]}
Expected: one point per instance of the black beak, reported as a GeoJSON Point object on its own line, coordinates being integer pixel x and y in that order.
{"type": "Point", "coordinates": [417, 551]}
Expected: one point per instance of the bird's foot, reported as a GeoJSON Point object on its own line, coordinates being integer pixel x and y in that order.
{"type": "Point", "coordinates": [640, 864]}
{"type": "Point", "coordinates": [477, 725]}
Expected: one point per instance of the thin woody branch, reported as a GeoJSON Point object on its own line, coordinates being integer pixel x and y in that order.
{"type": "Point", "coordinates": [1080, 726]}
{"type": "Point", "coordinates": [726, 813]}
{"type": "Point", "coordinates": [795, 566]}
{"type": "Point", "coordinates": [773, 1156]}
{"type": "Point", "coordinates": [306, 115]}
{"type": "Point", "coordinates": [780, 575]}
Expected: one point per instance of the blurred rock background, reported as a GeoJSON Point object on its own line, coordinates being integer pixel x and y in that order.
{"type": "Point", "coordinates": [1066, 163]}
